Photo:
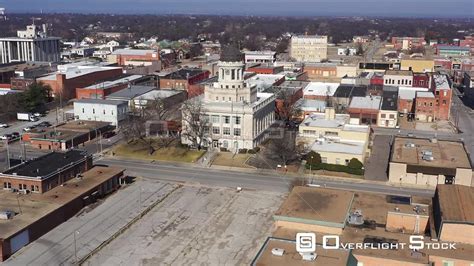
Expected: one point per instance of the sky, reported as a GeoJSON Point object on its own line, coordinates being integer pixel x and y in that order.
{"type": "Point", "coordinates": [395, 8]}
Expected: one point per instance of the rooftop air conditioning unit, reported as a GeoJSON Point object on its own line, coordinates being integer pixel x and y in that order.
{"type": "Point", "coordinates": [309, 256]}
{"type": "Point", "coordinates": [278, 252]}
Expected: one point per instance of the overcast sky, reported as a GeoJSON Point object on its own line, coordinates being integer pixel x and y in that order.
{"type": "Point", "coordinates": [410, 8]}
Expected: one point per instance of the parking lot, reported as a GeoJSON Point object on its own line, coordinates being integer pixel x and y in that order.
{"type": "Point", "coordinates": [196, 225]}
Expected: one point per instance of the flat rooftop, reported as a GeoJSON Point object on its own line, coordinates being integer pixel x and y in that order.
{"type": "Point", "coordinates": [321, 88]}
{"type": "Point", "coordinates": [399, 72]}
{"type": "Point", "coordinates": [367, 102]}
{"type": "Point", "coordinates": [456, 203]}
{"type": "Point", "coordinates": [446, 154]}
{"type": "Point", "coordinates": [34, 206]}
{"type": "Point", "coordinates": [139, 52]}
{"type": "Point", "coordinates": [184, 73]}
{"type": "Point", "coordinates": [130, 93]}
{"type": "Point", "coordinates": [100, 101]}
{"type": "Point", "coordinates": [46, 164]}
{"type": "Point", "coordinates": [159, 94]}
{"type": "Point", "coordinates": [74, 72]}
{"type": "Point", "coordinates": [317, 204]}
{"type": "Point", "coordinates": [375, 207]}
{"type": "Point", "coordinates": [348, 147]}
{"type": "Point", "coordinates": [333, 257]}
{"type": "Point", "coordinates": [83, 125]}
{"type": "Point", "coordinates": [115, 82]}
{"type": "Point", "coordinates": [409, 93]}
{"type": "Point", "coordinates": [319, 120]}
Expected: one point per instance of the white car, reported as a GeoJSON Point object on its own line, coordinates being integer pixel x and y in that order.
{"type": "Point", "coordinates": [27, 129]}
{"type": "Point", "coordinates": [3, 125]}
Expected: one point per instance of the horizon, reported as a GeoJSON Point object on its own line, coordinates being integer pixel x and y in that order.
{"type": "Point", "coordinates": [263, 8]}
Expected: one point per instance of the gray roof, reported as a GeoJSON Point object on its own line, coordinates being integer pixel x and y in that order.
{"type": "Point", "coordinates": [100, 101]}
{"type": "Point", "coordinates": [367, 102]}
{"type": "Point", "coordinates": [130, 93]}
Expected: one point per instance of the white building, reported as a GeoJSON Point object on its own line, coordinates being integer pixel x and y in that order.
{"type": "Point", "coordinates": [346, 51]}
{"type": "Point", "coordinates": [260, 57]}
{"type": "Point", "coordinates": [309, 48]}
{"type": "Point", "coordinates": [101, 110]}
{"type": "Point", "coordinates": [238, 115]}
{"type": "Point", "coordinates": [32, 44]}
{"type": "Point", "coordinates": [398, 78]}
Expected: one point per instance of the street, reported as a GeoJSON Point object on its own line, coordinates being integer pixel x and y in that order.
{"type": "Point", "coordinates": [254, 179]}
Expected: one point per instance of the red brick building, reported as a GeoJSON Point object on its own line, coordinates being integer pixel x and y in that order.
{"type": "Point", "coordinates": [441, 86]}
{"type": "Point", "coordinates": [41, 213]}
{"type": "Point", "coordinates": [376, 78]}
{"type": "Point", "coordinates": [103, 89]}
{"type": "Point", "coordinates": [183, 78]}
{"type": "Point", "coordinates": [407, 43]}
{"type": "Point", "coordinates": [262, 69]}
{"type": "Point", "coordinates": [46, 172]}
{"type": "Point", "coordinates": [425, 106]}
{"type": "Point", "coordinates": [421, 80]}
{"type": "Point", "coordinates": [64, 83]}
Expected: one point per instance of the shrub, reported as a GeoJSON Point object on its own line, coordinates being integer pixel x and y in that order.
{"type": "Point", "coordinates": [223, 149]}
{"type": "Point", "coordinates": [355, 164]}
{"type": "Point", "coordinates": [335, 168]}
{"type": "Point", "coordinates": [256, 149]}
{"type": "Point", "coordinates": [251, 151]}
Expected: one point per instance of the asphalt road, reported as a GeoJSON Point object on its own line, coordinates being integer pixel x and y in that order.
{"type": "Point", "coordinates": [258, 179]}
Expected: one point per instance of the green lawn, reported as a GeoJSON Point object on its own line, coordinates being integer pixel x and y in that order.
{"type": "Point", "coordinates": [140, 151]}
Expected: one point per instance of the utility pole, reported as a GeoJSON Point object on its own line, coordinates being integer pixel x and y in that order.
{"type": "Point", "coordinates": [8, 154]}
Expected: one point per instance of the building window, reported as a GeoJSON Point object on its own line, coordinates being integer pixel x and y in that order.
{"type": "Point", "coordinates": [382, 115]}
{"type": "Point", "coordinates": [216, 130]}
{"type": "Point", "coordinates": [226, 131]}
{"type": "Point", "coordinates": [324, 159]}
{"type": "Point", "coordinates": [93, 110]}
{"type": "Point", "coordinates": [331, 134]}
{"type": "Point", "coordinates": [237, 132]}
{"type": "Point", "coordinates": [338, 161]}
{"type": "Point", "coordinates": [217, 98]}
{"type": "Point", "coordinates": [215, 119]}
{"type": "Point", "coordinates": [7, 185]}
{"type": "Point", "coordinates": [448, 263]}
{"type": "Point", "coordinates": [444, 102]}
{"type": "Point", "coordinates": [392, 116]}
{"type": "Point", "coordinates": [237, 120]}
{"type": "Point", "coordinates": [226, 119]}
{"type": "Point", "coordinates": [445, 93]}
{"type": "Point", "coordinates": [82, 110]}
{"type": "Point", "coordinates": [104, 111]}
{"type": "Point", "coordinates": [431, 104]}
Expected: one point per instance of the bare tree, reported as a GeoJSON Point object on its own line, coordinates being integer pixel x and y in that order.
{"type": "Point", "coordinates": [195, 122]}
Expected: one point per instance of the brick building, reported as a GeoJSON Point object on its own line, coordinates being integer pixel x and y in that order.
{"type": "Point", "coordinates": [317, 71]}
{"type": "Point", "coordinates": [126, 57]}
{"type": "Point", "coordinates": [421, 80]}
{"type": "Point", "coordinates": [263, 69]}
{"type": "Point", "coordinates": [41, 213]}
{"type": "Point", "coordinates": [66, 136]}
{"type": "Point", "coordinates": [105, 88]}
{"type": "Point", "coordinates": [441, 86]}
{"type": "Point", "coordinates": [366, 109]}
{"type": "Point", "coordinates": [406, 99]}
{"type": "Point", "coordinates": [46, 172]}
{"type": "Point", "coordinates": [425, 106]}
{"type": "Point", "coordinates": [181, 79]}
{"type": "Point", "coordinates": [64, 82]}
{"type": "Point", "coordinates": [407, 43]}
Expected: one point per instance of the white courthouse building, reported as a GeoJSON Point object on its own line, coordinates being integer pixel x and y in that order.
{"type": "Point", "coordinates": [31, 44]}
{"type": "Point", "coordinates": [239, 116]}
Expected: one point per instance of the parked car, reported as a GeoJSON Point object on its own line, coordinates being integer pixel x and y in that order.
{"type": "Point", "coordinates": [39, 114]}
{"type": "Point", "coordinates": [2, 125]}
{"type": "Point", "coordinates": [44, 124]}
{"type": "Point", "coordinates": [15, 134]}
{"type": "Point", "coordinates": [6, 137]}
{"type": "Point", "coordinates": [108, 134]}
{"type": "Point", "coordinates": [28, 129]}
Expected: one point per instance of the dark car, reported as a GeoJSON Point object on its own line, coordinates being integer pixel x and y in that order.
{"type": "Point", "coordinates": [108, 134]}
